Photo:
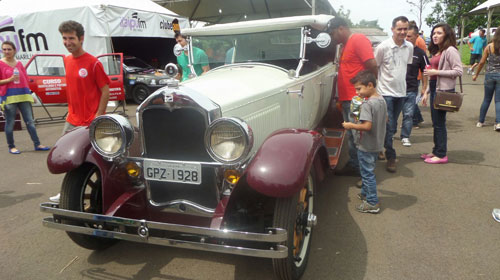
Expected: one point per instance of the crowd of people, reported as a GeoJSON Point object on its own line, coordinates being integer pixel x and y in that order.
{"type": "Point", "coordinates": [387, 77]}
{"type": "Point", "coordinates": [397, 64]}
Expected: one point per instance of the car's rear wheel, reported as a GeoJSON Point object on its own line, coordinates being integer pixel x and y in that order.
{"type": "Point", "coordinates": [295, 214]}
{"type": "Point", "coordinates": [140, 93]}
{"type": "Point", "coordinates": [82, 191]}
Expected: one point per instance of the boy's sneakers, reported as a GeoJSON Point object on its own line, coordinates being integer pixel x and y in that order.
{"type": "Point", "coordinates": [469, 71]}
{"type": "Point", "coordinates": [497, 127]}
{"type": "Point", "coordinates": [479, 124]}
{"type": "Point", "coordinates": [366, 207]}
{"type": "Point", "coordinates": [406, 142]}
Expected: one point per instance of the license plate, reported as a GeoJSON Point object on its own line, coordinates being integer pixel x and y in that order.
{"type": "Point", "coordinates": [178, 172]}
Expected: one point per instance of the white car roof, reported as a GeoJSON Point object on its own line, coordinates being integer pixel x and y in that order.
{"type": "Point", "coordinates": [315, 21]}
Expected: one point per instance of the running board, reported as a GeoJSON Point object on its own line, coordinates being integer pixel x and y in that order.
{"type": "Point", "coordinates": [334, 138]}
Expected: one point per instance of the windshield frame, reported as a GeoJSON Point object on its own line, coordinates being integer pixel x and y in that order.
{"type": "Point", "coordinates": [304, 32]}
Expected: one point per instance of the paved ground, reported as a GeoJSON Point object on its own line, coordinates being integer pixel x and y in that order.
{"type": "Point", "coordinates": [435, 222]}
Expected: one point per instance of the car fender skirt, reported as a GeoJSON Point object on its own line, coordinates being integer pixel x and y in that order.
{"type": "Point", "coordinates": [280, 167]}
{"type": "Point", "coordinates": [70, 151]}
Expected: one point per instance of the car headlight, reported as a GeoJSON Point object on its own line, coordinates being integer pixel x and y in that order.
{"type": "Point", "coordinates": [228, 140]}
{"type": "Point", "coordinates": [111, 135]}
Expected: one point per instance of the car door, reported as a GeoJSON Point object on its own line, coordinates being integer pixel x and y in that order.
{"type": "Point", "coordinates": [113, 66]}
{"type": "Point", "coordinates": [47, 78]}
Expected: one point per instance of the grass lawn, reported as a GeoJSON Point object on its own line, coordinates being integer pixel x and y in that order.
{"type": "Point", "coordinates": [465, 53]}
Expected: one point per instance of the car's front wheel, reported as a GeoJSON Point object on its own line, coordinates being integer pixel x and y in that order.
{"type": "Point", "coordinates": [295, 214]}
{"type": "Point", "coordinates": [140, 93]}
{"type": "Point", "coordinates": [82, 191]}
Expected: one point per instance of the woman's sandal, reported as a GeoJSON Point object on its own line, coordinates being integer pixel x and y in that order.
{"type": "Point", "coordinates": [15, 152]}
{"type": "Point", "coordinates": [42, 148]}
{"type": "Point", "coordinates": [426, 156]}
{"type": "Point", "coordinates": [436, 160]}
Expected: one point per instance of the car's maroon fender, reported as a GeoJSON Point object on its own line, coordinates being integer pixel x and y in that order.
{"type": "Point", "coordinates": [281, 165]}
{"type": "Point", "coordinates": [70, 151]}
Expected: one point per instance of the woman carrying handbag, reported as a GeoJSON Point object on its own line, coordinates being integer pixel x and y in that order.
{"type": "Point", "coordinates": [491, 57]}
{"type": "Point", "coordinates": [446, 67]}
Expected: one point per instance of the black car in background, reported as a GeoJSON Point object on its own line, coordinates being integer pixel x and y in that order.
{"type": "Point", "coordinates": [141, 79]}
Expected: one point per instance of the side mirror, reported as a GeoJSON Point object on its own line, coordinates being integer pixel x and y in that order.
{"type": "Point", "coordinates": [178, 49]}
{"type": "Point", "coordinates": [323, 40]}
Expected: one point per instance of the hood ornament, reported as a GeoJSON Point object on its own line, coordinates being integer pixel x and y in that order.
{"type": "Point", "coordinates": [168, 98]}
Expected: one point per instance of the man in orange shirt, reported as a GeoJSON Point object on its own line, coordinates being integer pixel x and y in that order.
{"type": "Point", "coordinates": [87, 83]}
{"type": "Point", "coordinates": [357, 55]}
{"type": "Point", "coordinates": [417, 115]}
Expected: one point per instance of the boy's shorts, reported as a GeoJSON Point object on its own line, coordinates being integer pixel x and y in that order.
{"type": "Point", "coordinates": [474, 57]}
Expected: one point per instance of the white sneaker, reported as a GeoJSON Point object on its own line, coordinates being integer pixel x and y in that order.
{"type": "Point", "coordinates": [479, 124]}
{"type": "Point", "coordinates": [55, 198]}
{"type": "Point", "coordinates": [497, 127]}
{"type": "Point", "coordinates": [496, 214]}
{"type": "Point", "coordinates": [469, 71]}
{"type": "Point", "coordinates": [406, 142]}
{"type": "Point", "coordinates": [473, 73]}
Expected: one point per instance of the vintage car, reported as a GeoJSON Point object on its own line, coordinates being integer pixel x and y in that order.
{"type": "Point", "coordinates": [141, 79]}
{"type": "Point", "coordinates": [225, 162]}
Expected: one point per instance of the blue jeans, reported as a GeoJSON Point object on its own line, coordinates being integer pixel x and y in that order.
{"type": "Point", "coordinates": [408, 111]}
{"type": "Point", "coordinates": [439, 125]}
{"type": "Point", "coordinates": [417, 116]}
{"type": "Point", "coordinates": [10, 118]}
{"type": "Point", "coordinates": [491, 87]}
{"type": "Point", "coordinates": [367, 169]}
{"type": "Point", "coordinates": [394, 107]}
{"type": "Point", "coordinates": [348, 117]}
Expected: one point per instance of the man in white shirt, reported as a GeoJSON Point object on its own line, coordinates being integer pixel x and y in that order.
{"type": "Point", "coordinates": [392, 56]}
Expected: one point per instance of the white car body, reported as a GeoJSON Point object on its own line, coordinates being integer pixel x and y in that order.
{"type": "Point", "coordinates": [266, 97]}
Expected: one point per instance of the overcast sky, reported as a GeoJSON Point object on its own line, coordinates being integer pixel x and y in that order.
{"type": "Point", "coordinates": [383, 10]}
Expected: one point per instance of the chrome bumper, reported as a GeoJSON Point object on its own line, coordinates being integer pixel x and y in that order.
{"type": "Point", "coordinates": [142, 228]}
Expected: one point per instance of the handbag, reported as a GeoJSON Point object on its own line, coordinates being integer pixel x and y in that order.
{"type": "Point", "coordinates": [449, 101]}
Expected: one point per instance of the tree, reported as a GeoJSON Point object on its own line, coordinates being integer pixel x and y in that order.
{"type": "Point", "coordinates": [452, 11]}
{"type": "Point", "coordinates": [345, 14]}
{"type": "Point", "coordinates": [368, 24]}
{"type": "Point", "coordinates": [417, 7]}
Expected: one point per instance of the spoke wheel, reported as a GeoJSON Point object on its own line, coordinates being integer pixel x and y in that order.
{"type": "Point", "coordinates": [82, 191]}
{"type": "Point", "coordinates": [140, 93]}
{"type": "Point", "coordinates": [291, 214]}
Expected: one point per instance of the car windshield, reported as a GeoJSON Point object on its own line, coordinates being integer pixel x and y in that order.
{"type": "Point", "coordinates": [135, 64]}
{"type": "Point", "coordinates": [280, 48]}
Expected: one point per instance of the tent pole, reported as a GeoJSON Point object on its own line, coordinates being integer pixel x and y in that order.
{"type": "Point", "coordinates": [490, 14]}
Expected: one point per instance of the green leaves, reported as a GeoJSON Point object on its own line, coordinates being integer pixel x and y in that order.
{"type": "Point", "coordinates": [452, 11]}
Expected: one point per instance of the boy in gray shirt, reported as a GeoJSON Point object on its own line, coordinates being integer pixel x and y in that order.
{"type": "Point", "coordinates": [371, 129]}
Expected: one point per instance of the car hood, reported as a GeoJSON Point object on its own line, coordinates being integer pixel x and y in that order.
{"type": "Point", "coordinates": [231, 87]}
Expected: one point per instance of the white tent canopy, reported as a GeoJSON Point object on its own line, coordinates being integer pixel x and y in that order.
{"type": "Point", "coordinates": [488, 8]}
{"type": "Point", "coordinates": [224, 11]}
{"type": "Point", "coordinates": [33, 24]}
{"type": "Point", "coordinates": [18, 7]}
{"type": "Point", "coordinates": [489, 5]}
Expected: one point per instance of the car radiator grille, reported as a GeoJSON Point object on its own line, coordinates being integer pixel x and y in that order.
{"type": "Point", "coordinates": [179, 135]}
